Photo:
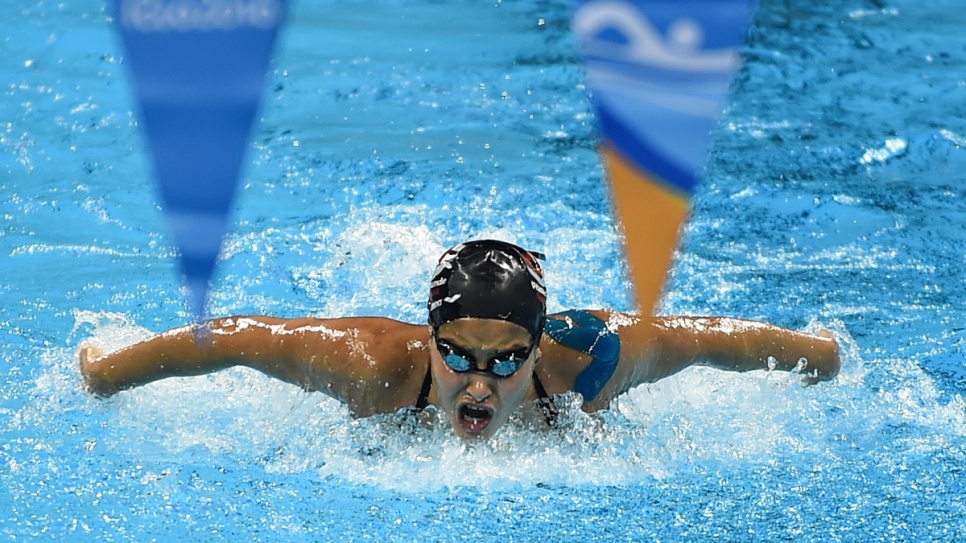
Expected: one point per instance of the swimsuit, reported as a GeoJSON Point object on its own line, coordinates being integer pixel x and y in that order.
{"type": "Point", "coordinates": [423, 401]}
{"type": "Point", "coordinates": [579, 331]}
{"type": "Point", "coordinates": [588, 334]}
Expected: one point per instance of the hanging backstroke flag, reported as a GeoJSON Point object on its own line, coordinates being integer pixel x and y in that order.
{"type": "Point", "coordinates": [199, 70]}
{"type": "Point", "coordinates": [658, 73]}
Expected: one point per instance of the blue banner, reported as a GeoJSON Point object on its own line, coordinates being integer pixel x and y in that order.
{"type": "Point", "coordinates": [658, 73]}
{"type": "Point", "coordinates": [199, 70]}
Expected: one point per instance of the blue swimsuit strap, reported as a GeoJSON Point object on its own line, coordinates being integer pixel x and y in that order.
{"type": "Point", "coordinates": [589, 335]}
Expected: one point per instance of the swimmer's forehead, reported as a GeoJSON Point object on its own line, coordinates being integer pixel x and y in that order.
{"type": "Point", "coordinates": [489, 333]}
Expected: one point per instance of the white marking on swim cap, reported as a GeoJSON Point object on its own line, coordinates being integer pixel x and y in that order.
{"type": "Point", "coordinates": [536, 276]}
{"type": "Point", "coordinates": [446, 261]}
{"type": "Point", "coordinates": [453, 298]}
{"type": "Point", "coordinates": [539, 288]}
{"type": "Point", "coordinates": [443, 264]}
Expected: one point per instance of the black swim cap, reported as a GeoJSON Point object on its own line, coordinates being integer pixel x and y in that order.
{"type": "Point", "coordinates": [489, 279]}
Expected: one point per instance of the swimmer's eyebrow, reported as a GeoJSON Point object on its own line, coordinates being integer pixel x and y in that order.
{"type": "Point", "coordinates": [466, 353]}
{"type": "Point", "coordinates": [456, 348]}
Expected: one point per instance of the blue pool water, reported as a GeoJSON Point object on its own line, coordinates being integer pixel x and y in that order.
{"type": "Point", "coordinates": [834, 197]}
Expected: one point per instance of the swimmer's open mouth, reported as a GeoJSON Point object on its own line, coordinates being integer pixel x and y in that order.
{"type": "Point", "coordinates": [474, 418]}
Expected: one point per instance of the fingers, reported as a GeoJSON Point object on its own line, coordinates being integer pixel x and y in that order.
{"type": "Point", "coordinates": [89, 354]}
{"type": "Point", "coordinates": [826, 366]}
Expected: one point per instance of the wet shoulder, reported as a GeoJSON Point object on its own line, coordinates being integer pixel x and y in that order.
{"type": "Point", "coordinates": [397, 355]}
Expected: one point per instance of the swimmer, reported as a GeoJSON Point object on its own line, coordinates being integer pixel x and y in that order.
{"type": "Point", "coordinates": [489, 349]}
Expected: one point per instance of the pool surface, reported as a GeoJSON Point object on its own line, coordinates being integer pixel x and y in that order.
{"type": "Point", "coordinates": [833, 197]}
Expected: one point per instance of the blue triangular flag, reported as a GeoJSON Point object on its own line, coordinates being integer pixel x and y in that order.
{"type": "Point", "coordinates": [199, 70]}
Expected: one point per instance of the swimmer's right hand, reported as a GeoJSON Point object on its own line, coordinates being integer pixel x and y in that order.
{"type": "Point", "coordinates": [89, 354]}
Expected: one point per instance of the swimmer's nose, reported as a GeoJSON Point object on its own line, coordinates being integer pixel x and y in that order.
{"type": "Point", "coordinates": [478, 390]}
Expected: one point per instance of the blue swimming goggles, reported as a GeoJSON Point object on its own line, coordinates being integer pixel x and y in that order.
{"type": "Point", "coordinates": [501, 365]}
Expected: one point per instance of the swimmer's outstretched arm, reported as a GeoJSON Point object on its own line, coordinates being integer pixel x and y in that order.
{"type": "Point", "coordinates": [365, 362]}
{"type": "Point", "coordinates": [741, 345]}
{"type": "Point", "coordinates": [657, 348]}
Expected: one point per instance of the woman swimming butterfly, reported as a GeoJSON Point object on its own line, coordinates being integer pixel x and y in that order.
{"type": "Point", "coordinates": [489, 348]}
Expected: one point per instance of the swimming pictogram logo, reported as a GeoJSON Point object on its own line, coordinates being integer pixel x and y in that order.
{"type": "Point", "coordinates": [622, 32]}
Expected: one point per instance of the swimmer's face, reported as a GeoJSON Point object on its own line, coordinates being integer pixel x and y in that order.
{"type": "Point", "coordinates": [477, 402]}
